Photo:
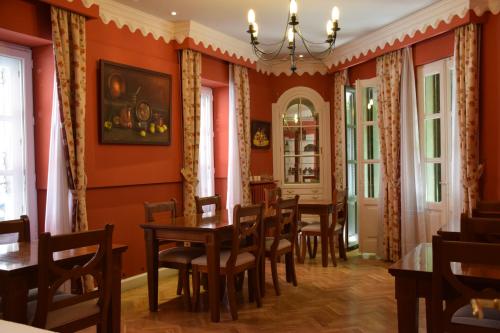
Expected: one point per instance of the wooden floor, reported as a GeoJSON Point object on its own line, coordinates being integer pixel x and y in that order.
{"type": "Point", "coordinates": [354, 297]}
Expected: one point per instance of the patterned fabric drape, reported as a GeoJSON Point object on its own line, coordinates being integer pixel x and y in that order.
{"type": "Point", "coordinates": [340, 80]}
{"type": "Point", "coordinates": [191, 100]}
{"type": "Point", "coordinates": [467, 95]}
{"type": "Point", "coordinates": [389, 76]}
{"type": "Point", "coordinates": [242, 107]}
{"type": "Point", "coordinates": [68, 35]}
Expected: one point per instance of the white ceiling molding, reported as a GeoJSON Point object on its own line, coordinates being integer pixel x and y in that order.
{"type": "Point", "coordinates": [309, 66]}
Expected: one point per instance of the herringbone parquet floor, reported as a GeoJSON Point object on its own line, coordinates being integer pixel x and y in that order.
{"type": "Point", "coordinates": [357, 296]}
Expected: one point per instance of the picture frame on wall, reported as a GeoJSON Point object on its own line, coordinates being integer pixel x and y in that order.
{"type": "Point", "coordinates": [260, 134]}
{"type": "Point", "coordinates": [135, 105]}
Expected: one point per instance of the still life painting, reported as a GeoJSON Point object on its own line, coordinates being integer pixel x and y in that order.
{"type": "Point", "coordinates": [261, 134]}
{"type": "Point", "coordinates": [135, 105]}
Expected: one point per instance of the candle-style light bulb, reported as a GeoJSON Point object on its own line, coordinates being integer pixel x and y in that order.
{"type": "Point", "coordinates": [251, 17]}
{"type": "Point", "coordinates": [335, 14]}
{"type": "Point", "coordinates": [291, 34]}
{"type": "Point", "coordinates": [255, 29]}
{"type": "Point", "coordinates": [329, 28]}
{"type": "Point", "coordinates": [293, 7]}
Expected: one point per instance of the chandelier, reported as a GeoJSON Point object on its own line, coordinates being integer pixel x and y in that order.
{"type": "Point", "coordinates": [292, 31]}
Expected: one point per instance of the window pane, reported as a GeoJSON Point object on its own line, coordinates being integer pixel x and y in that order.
{"type": "Point", "coordinates": [351, 143]}
{"type": "Point", "coordinates": [349, 108]}
{"type": "Point", "coordinates": [291, 139]}
{"type": "Point", "coordinates": [351, 179]}
{"type": "Point", "coordinates": [372, 180]}
{"type": "Point", "coordinates": [371, 145]}
{"type": "Point", "coordinates": [432, 128]}
{"type": "Point", "coordinates": [432, 94]}
{"type": "Point", "coordinates": [310, 169]}
{"type": "Point", "coordinates": [433, 182]}
{"type": "Point", "coordinates": [310, 141]}
{"type": "Point", "coordinates": [370, 107]}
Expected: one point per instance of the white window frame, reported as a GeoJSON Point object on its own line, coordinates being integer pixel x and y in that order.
{"type": "Point", "coordinates": [24, 55]}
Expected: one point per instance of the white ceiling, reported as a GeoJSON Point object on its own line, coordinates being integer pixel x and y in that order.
{"type": "Point", "coordinates": [357, 17]}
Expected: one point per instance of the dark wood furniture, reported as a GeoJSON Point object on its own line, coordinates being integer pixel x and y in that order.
{"type": "Point", "coordinates": [208, 201]}
{"type": "Point", "coordinates": [271, 197]}
{"type": "Point", "coordinates": [282, 242]}
{"type": "Point", "coordinates": [18, 273]}
{"type": "Point", "coordinates": [456, 294]}
{"type": "Point", "coordinates": [177, 256]}
{"type": "Point", "coordinates": [413, 277]}
{"type": "Point", "coordinates": [489, 209]}
{"type": "Point", "coordinates": [479, 229]}
{"type": "Point", "coordinates": [209, 229]}
{"type": "Point", "coordinates": [73, 312]}
{"type": "Point", "coordinates": [257, 188]}
{"type": "Point", "coordinates": [243, 256]}
{"type": "Point", "coordinates": [21, 227]}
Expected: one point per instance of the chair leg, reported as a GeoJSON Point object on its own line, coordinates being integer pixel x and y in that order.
{"type": "Point", "coordinates": [291, 263]}
{"type": "Point", "coordinates": [251, 286]}
{"type": "Point", "coordinates": [240, 280]}
{"type": "Point", "coordinates": [186, 295]}
{"type": "Point", "coordinates": [222, 288]}
{"type": "Point", "coordinates": [253, 275]}
{"type": "Point", "coordinates": [179, 283]}
{"type": "Point", "coordinates": [287, 268]}
{"type": "Point", "coordinates": [332, 248]}
{"type": "Point", "coordinates": [274, 271]}
{"type": "Point", "coordinates": [303, 241]}
{"type": "Point", "coordinates": [315, 249]}
{"type": "Point", "coordinates": [196, 289]}
{"type": "Point", "coordinates": [309, 247]}
{"type": "Point", "coordinates": [262, 275]}
{"type": "Point", "coordinates": [297, 247]}
{"type": "Point", "coordinates": [342, 250]}
{"type": "Point", "coordinates": [231, 291]}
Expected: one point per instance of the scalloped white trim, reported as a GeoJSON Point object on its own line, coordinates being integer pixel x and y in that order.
{"type": "Point", "coordinates": [309, 66]}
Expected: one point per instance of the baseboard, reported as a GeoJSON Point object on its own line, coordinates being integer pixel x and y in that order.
{"type": "Point", "coordinates": [141, 280]}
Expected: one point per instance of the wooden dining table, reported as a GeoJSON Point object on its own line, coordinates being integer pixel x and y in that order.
{"type": "Point", "coordinates": [18, 274]}
{"type": "Point", "coordinates": [413, 275]}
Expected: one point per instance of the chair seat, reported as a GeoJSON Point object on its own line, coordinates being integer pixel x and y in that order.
{"type": "Point", "coordinates": [68, 314]}
{"type": "Point", "coordinates": [317, 228]}
{"type": "Point", "coordinates": [243, 258]}
{"type": "Point", "coordinates": [180, 255]}
{"type": "Point", "coordinates": [464, 316]}
{"type": "Point", "coordinates": [284, 243]}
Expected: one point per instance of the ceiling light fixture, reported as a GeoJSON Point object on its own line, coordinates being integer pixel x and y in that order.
{"type": "Point", "coordinates": [292, 30]}
{"type": "Point", "coordinates": [173, 13]}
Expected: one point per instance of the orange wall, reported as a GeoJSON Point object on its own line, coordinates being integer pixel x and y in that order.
{"type": "Point", "coordinates": [282, 82]}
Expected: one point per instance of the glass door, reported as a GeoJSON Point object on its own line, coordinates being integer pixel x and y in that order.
{"type": "Point", "coordinates": [351, 167]}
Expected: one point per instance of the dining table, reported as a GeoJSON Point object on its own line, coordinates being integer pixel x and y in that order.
{"type": "Point", "coordinates": [413, 277]}
{"type": "Point", "coordinates": [18, 274]}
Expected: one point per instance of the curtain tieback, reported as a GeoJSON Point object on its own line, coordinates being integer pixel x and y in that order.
{"type": "Point", "coordinates": [188, 175]}
{"type": "Point", "coordinates": [78, 194]}
{"type": "Point", "coordinates": [471, 182]}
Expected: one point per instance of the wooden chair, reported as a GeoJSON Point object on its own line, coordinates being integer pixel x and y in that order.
{"type": "Point", "coordinates": [176, 256]}
{"type": "Point", "coordinates": [336, 230]}
{"type": "Point", "coordinates": [271, 197]}
{"type": "Point", "coordinates": [73, 312]}
{"type": "Point", "coordinates": [489, 209]}
{"type": "Point", "coordinates": [479, 229]}
{"type": "Point", "coordinates": [21, 227]}
{"type": "Point", "coordinates": [208, 201]}
{"type": "Point", "coordinates": [244, 255]}
{"type": "Point", "coordinates": [455, 313]}
{"type": "Point", "coordinates": [283, 241]}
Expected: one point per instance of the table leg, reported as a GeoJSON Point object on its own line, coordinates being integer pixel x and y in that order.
{"type": "Point", "coordinates": [213, 262]}
{"type": "Point", "coordinates": [324, 239]}
{"type": "Point", "coordinates": [114, 321]}
{"type": "Point", "coordinates": [152, 268]}
{"type": "Point", "coordinates": [15, 298]}
{"type": "Point", "coordinates": [407, 300]}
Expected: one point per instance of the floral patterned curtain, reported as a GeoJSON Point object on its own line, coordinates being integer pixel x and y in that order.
{"type": "Point", "coordinates": [389, 76]}
{"type": "Point", "coordinates": [467, 95]}
{"type": "Point", "coordinates": [340, 80]}
{"type": "Point", "coordinates": [191, 100]}
{"type": "Point", "coordinates": [242, 107]}
{"type": "Point", "coordinates": [68, 35]}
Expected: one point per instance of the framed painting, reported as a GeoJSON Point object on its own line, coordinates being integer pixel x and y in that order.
{"type": "Point", "coordinates": [135, 105]}
{"type": "Point", "coordinates": [261, 134]}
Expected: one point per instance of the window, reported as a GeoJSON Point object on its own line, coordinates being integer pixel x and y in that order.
{"type": "Point", "coordinates": [301, 143]}
{"type": "Point", "coordinates": [371, 145]}
{"type": "Point", "coordinates": [206, 149]}
{"type": "Point", "coordinates": [17, 179]}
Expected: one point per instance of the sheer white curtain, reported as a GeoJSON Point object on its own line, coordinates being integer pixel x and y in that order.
{"type": "Point", "coordinates": [57, 208]}
{"type": "Point", "coordinates": [234, 186]}
{"type": "Point", "coordinates": [206, 152]}
{"type": "Point", "coordinates": [413, 227]}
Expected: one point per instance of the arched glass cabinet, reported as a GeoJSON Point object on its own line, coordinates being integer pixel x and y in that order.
{"type": "Point", "coordinates": [301, 144]}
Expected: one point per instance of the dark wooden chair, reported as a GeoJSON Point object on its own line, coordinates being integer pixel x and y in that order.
{"type": "Point", "coordinates": [208, 201]}
{"type": "Point", "coordinates": [271, 197]}
{"type": "Point", "coordinates": [336, 230]}
{"type": "Point", "coordinates": [451, 296]}
{"type": "Point", "coordinates": [243, 256]}
{"type": "Point", "coordinates": [488, 209]}
{"type": "Point", "coordinates": [176, 256]}
{"type": "Point", "coordinates": [479, 229]}
{"type": "Point", "coordinates": [283, 241]}
{"type": "Point", "coordinates": [73, 312]}
{"type": "Point", "coordinates": [21, 227]}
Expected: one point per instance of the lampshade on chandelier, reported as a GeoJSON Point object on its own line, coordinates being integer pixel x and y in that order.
{"type": "Point", "coordinates": [292, 31]}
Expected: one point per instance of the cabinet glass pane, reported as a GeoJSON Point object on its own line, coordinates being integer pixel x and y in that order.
{"type": "Point", "coordinates": [307, 113]}
{"type": "Point", "coordinates": [292, 170]}
{"type": "Point", "coordinates": [291, 140]}
{"type": "Point", "coordinates": [432, 94]}
{"type": "Point", "coordinates": [351, 143]}
{"type": "Point", "coordinates": [371, 144]}
{"type": "Point", "coordinates": [370, 105]}
{"type": "Point", "coordinates": [310, 169]}
{"type": "Point", "coordinates": [291, 115]}
{"type": "Point", "coordinates": [432, 140]}
{"type": "Point", "coordinates": [310, 141]}
{"type": "Point", "coordinates": [433, 182]}
{"type": "Point", "coordinates": [372, 180]}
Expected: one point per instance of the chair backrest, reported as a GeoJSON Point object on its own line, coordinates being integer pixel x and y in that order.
{"type": "Point", "coordinates": [52, 275]}
{"type": "Point", "coordinates": [207, 201]}
{"type": "Point", "coordinates": [287, 216]}
{"type": "Point", "coordinates": [479, 229]}
{"type": "Point", "coordinates": [489, 209]}
{"type": "Point", "coordinates": [458, 292]}
{"type": "Point", "coordinates": [341, 206]}
{"type": "Point", "coordinates": [271, 197]}
{"type": "Point", "coordinates": [152, 208]}
{"type": "Point", "coordinates": [247, 231]}
{"type": "Point", "coordinates": [21, 227]}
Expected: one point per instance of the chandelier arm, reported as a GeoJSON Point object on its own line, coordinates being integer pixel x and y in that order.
{"type": "Point", "coordinates": [318, 55]}
{"type": "Point", "coordinates": [307, 40]}
{"type": "Point", "coordinates": [272, 55]}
